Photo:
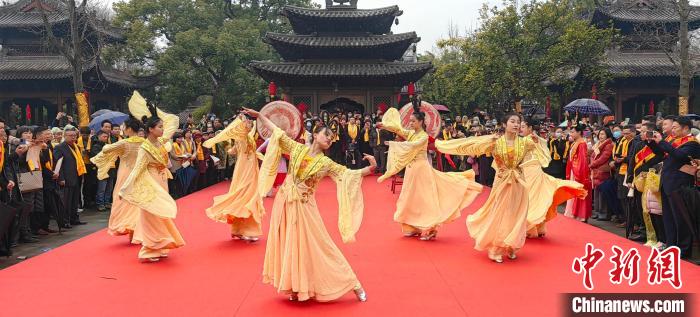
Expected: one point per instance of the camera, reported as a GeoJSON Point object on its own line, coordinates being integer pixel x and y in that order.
{"type": "Point", "coordinates": [650, 134]}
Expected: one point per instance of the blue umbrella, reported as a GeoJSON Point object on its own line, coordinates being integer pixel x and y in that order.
{"type": "Point", "coordinates": [588, 106]}
{"type": "Point", "coordinates": [99, 113]}
{"type": "Point", "coordinates": [115, 117]}
{"type": "Point", "coordinates": [693, 116]}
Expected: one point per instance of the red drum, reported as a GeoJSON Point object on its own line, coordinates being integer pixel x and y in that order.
{"type": "Point", "coordinates": [284, 115]}
{"type": "Point", "coordinates": [433, 122]}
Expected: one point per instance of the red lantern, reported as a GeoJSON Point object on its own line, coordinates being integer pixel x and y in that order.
{"type": "Point", "coordinates": [302, 107]}
{"type": "Point", "coordinates": [594, 92]}
{"type": "Point", "coordinates": [382, 107]}
{"type": "Point", "coordinates": [411, 89]}
{"type": "Point", "coordinates": [29, 113]}
{"type": "Point", "coordinates": [651, 107]}
{"type": "Point", "coordinates": [272, 89]}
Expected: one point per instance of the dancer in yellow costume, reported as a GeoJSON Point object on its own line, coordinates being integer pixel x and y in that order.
{"type": "Point", "coordinates": [544, 192]}
{"type": "Point", "coordinates": [429, 198]}
{"type": "Point", "coordinates": [242, 206]}
{"type": "Point", "coordinates": [147, 185]}
{"type": "Point", "coordinates": [300, 258]}
{"type": "Point", "coordinates": [124, 215]}
{"type": "Point", "coordinates": [499, 227]}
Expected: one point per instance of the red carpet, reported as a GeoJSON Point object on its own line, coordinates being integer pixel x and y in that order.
{"type": "Point", "coordinates": [99, 275]}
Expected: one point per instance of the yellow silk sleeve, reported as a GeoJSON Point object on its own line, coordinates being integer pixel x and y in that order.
{"type": "Point", "coordinates": [401, 154]}
{"type": "Point", "coordinates": [472, 146]}
{"type": "Point", "coordinates": [270, 162]}
{"type": "Point", "coordinates": [539, 150]}
{"type": "Point", "coordinates": [236, 130]}
{"type": "Point", "coordinates": [106, 159]}
{"type": "Point", "coordinates": [350, 199]}
{"type": "Point", "coordinates": [392, 122]}
{"type": "Point", "coordinates": [143, 191]}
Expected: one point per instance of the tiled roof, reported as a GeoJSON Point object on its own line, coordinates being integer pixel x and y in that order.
{"type": "Point", "coordinates": [646, 11]}
{"type": "Point", "coordinates": [309, 21]}
{"type": "Point", "coordinates": [342, 13]}
{"type": "Point", "coordinates": [386, 47]}
{"type": "Point", "coordinates": [638, 64]}
{"type": "Point", "coordinates": [22, 15]}
{"type": "Point", "coordinates": [57, 67]}
{"type": "Point", "coordinates": [394, 73]}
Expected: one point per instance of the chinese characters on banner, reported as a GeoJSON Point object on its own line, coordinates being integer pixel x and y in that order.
{"type": "Point", "coordinates": [662, 266]}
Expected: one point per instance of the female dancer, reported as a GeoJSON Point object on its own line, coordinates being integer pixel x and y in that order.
{"type": "Point", "coordinates": [124, 215]}
{"type": "Point", "coordinates": [501, 224]}
{"type": "Point", "coordinates": [544, 192]}
{"type": "Point", "coordinates": [428, 198]}
{"type": "Point", "coordinates": [242, 206]}
{"type": "Point", "coordinates": [300, 257]}
{"type": "Point", "coordinates": [577, 169]}
{"type": "Point", "coordinates": [147, 185]}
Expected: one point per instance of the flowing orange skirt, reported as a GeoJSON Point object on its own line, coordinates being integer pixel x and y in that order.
{"type": "Point", "coordinates": [124, 215]}
{"type": "Point", "coordinates": [300, 256]}
{"type": "Point", "coordinates": [545, 193]}
{"type": "Point", "coordinates": [157, 235]}
{"type": "Point", "coordinates": [242, 206]}
{"type": "Point", "coordinates": [500, 225]}
{"type": "Point", "coordinates": [430, 198]}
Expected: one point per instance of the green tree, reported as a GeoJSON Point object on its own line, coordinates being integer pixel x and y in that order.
{"type": "Point", "coordinates": [517, 50]}
{"type": "Point", "coordinates": [200, 47]}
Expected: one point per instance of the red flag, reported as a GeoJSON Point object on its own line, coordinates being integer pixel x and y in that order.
{"type": "Point", "coordinates": [29, 113]}
{"type": "Point", "coordinates": [651, 107]}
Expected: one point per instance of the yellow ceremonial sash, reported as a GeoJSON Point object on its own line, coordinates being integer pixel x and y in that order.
{"type": "Point", "coordinates": [2, 156]}
{"type": "Point", "coordinates": [366, 135]}
{"type": "Point", "coordinates": [643, 156]}
{"type": "Point", "coordinates": [681, 141]}
{"type": "Point", "coordinates": [621, 150]}
{"type": "Point", "coordinates": [49, 164]}
{"type": "Point", "coordinates": [80, 164]}
{"type": "Point", "coordinates": [379, 140]}
{"type": "Point", "coordinates": [352, 131]}
{"type": "Point", "coordinates": [177, 149]}
{"type": "Point", "coordinates": [445, 135]}
{"type": "Point", "coordinates": [200, 152]}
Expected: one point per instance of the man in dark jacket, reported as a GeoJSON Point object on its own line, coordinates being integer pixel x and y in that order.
{"type": "Point", "coordinates": [72, 167]}
{"type": "Point", "coordinates": [674, 177]}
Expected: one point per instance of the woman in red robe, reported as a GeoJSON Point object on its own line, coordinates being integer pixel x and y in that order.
{"type": "Point", "coordinates": [577, 169]}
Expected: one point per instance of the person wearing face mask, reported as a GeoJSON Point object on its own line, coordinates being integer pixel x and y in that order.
{"type": "Point", "coordinates": [558, 152]}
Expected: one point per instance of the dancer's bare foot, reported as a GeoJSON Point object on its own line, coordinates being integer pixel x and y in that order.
{"type": "Point", "coordinates": [411, 234]}
{"type": "Point", "coordinates": [149, 260]}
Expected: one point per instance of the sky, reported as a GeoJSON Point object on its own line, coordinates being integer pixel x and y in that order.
{"type": "Point", "coordinates": [430, 18]}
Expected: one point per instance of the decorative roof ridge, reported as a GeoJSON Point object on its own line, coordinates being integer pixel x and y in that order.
{"type": "Point", "coordinates": [342, 11]}
{"type": "Point", "coordinates": [340, 35]}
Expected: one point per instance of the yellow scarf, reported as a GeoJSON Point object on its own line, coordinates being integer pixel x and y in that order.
{"type": "Point", "coordinates": [2, 156]}
{"type": "Point", "coordinates": [177, 149]}
{"type": "Point", "coordinates": [352, 131]}
{"type": "Point", "coordinates": [200, 152]}
{"type": "Point", "coordinates": [379, 140]}
{"type": "Point", "coordinates": [553, 151]}
{"type": "Point", "coordinates": [78, 159]}
{"type": "Point", "coordinates": [188, 147]}
{"type": "Point", "coordinates": [621, 149]}
{"type": "Point", "coordinates": [49, 164]}
{"type": "Point", "coordinates": [445, 136]}
{"type": "Point", "coordinates": [366, 135]}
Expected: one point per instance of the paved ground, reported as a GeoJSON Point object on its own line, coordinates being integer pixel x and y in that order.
{"type": "Point", "coordinates": [95, 221]}
{"type": "Point", "coordinates": [98, 221]}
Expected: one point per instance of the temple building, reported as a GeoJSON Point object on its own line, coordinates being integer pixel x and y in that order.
{"type": "Point", "coordinates": [644, 76]}
{"type": "Point", "coordinates": [34, 73]}
{"type": "Point", "coordinates": [341, 57]}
